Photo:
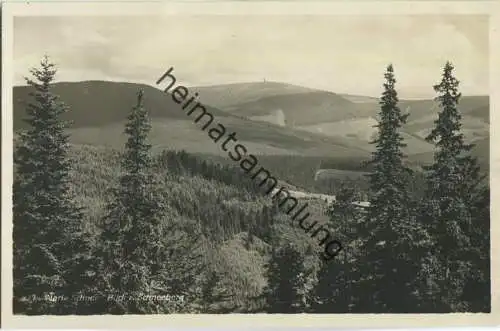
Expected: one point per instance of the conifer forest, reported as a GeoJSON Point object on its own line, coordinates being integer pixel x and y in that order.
{"type": "Point", "coordinates": [114, 212]}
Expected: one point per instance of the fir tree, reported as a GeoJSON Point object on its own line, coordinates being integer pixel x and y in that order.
{"type": "Point", "coordinates": [51, 255]}
{"type": "Point", "coordinates": [454, 173]}
{"type": "Point", "coordinates": [333, 291]}
{"type": "Point", "coordinates": [453, 191]}
{"type": "Point", "coordinates": [131, 239]}
{"type": "Point", "coordinates": [389, 226]}
{"type": "Point", "coordinates": [146, 247]}
{"type": "Point", "coordinates": [285, 290]}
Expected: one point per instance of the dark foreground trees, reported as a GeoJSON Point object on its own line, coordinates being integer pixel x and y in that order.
{"type": "Point", "coordinates": [284, 292]}
{"type": "Point", "coordinates": [51, 254]}
{"type": "Point", "coordinates": [146, 248]}
{"type": "Point", "coordinates": [131, 238]}
{"type": "Point", "coordinates": [450, 208]}
{"type": "Point", "coordinates": [391, 257]}
{"type": "Point", "coordinates": [170, 224]}
{"type": "Point", "coordinates": [425, 253]}
{"type": "Point", "coordinates": [335, 291]}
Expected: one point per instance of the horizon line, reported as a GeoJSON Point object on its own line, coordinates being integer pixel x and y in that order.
{"type": "Point", "coordinates": [246, 82]}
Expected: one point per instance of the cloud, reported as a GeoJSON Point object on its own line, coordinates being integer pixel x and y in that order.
{"type": "Point", "coordinates": [337, 53]}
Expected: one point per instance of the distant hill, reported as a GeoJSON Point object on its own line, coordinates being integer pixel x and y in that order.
{"type": "Point", "coordinates": [351, 117]}
{"type": "Point", "coordinates": [270, 118]}
{"type": "Point", "coordinates": [100, 103]}
{"type": "Point", "coordinates": [226, 95]}
{"type": "Point", "coordinates": [482, 112]}
{"type": "Point", "coordinates": [304, 108]}
{"type": "Point", "coordinates": [99, 110]}
{"type": "Point", "coordinates": [360, 99]}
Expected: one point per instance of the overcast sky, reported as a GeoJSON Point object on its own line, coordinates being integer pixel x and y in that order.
{"type": "Point", "coordinates": [345, 54]}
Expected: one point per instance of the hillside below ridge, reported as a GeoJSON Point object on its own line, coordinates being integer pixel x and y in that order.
{"type": "Point", "coordinates": [272, 118]}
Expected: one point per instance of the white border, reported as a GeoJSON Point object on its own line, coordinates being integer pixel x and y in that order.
{"type": "Point", "coordinates": [244, 8]}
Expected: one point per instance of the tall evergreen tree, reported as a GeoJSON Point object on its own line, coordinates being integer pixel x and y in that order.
{"type": "Point", "coordinates": [51, 255]}
{"type": "Point", "coordinates": [146, 247]}
{"type": "Point", "coordinates": [455, 172]}
{"type": "Point", "coordinates": [285, 290]}
{"type": "Point", "coordinates": [453, 191]}
{"type": "Point", "coordinates": [132, 233]}
{"type": "Point", "coordinates": [390, 261]}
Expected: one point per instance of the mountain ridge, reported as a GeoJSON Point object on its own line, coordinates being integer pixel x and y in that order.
{"type": "Point", "coordinates": [279, 118]}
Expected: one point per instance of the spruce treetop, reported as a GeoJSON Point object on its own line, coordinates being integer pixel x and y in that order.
{"type": "Point", "coordinates": [388, 157]}
{"type": "Point", "coordinates": [446, 133]}
{"type": "Point", "coordinates": [137, 128]}
{"type": "Point", "coordinates": [454, 171]}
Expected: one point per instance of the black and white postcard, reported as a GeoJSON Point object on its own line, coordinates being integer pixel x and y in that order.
{"type": "Point", "coordinates": [235, 163]}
